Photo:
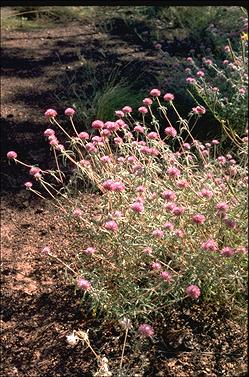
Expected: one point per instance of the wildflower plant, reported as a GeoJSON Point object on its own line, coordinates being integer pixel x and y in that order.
{"type": "Point", "coordinates": [167, 226]}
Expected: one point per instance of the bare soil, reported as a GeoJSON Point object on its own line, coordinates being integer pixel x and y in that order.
{"type": "Point", "coordinates": [38, 307]}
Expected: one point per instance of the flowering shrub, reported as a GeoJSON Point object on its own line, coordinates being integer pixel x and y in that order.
{"type": "Point", "coordinates": [168, 226]}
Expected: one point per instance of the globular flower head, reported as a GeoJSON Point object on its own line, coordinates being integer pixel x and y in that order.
{"type": "Point", "coordinates": [119, 113]}
{"type": "Point", "coordinates": [155, 93]}
{"type": "Point", "coordinates": [179, 233]}
{"type": "Point", "coordinates": [173, 172]}
{"type": "Point", "coordinates": [198, 218]}
{"type": "Point", "coordinates": [146, 330]}
{"type": "Point", "coordinates": [205, 193]}
{"type": "Point", "coordinates": [11, 155]}
{"type": "Point", "coordinates": [169, 195]}
{"type": "Point", "coordinates": [140, 188]}
{"type": "Point", "coordinates": [105, 159]}
{"type": "Point", "coordinates": [46, 250]}
{"type": "Point", "coordinates": [69, 112]}
{"type": "Point", "coordinates": [50, 113]}
{"type": "Point", "coordinates": [215, 142]}
{"type": "Point", "coordinates": [227, 251]}
{"type": "Point", "coordinates": [139, 128]}
{"type": "Point", "coordinates": [126, 109]}
{"type": "Point", "coordinates": [72, 339]}
{"type": "Point", "coordinates": [158, 233]}
{"type": "Point", "coordinates": [166, 276]}
{"type": "Point", "coordinates": [153, 135]}
{"type": "Point", "coordinates": [137, 207]}
{"type": "Point", "coordinates": [193, 291]}
{"type": "Point", "coordinates": [186, 146]}
{"type": "Point", "coordinates": [170, 131]}
{"type": "Point", "coordinates": [230, 223]}
{"type": "Point", "coordinates": [148, 250]}
{"type": "Point", "coordinates": [168, 97]}
{"type": "Point", "coordinates": [34, 170]}
{"type": "Point", "coordinates": [77, 212]}
{"type": "Point", "coordinates": [200, 74]}
{"type": "Point", "coordinates": [111, 225]}
{"type": "Point", "coordinates": [97, 124]}
{"type": "Point", "coordinates": [182, 183]}
{"type": "Point", "coordinates": [178, 211]}
{"type": "Point", "coordinates": [48, 132]}
{"type": "Point", "coordinates": [210, 245]}
{"type": "Point", "coordinates": [222, 207]}
{"type": "Point", "coordinates": [168, 225]}
{"type": "Point", "coordinates": [147, 101]}
{"type": "Point", "coordinates": [143, 110]}
{"type": "Point", "coordinates": [28, 185]}
{"type": "Point", "coordinates": [169, 206]}
{"type": "Point", "coordinates": [90, 250]}
{"type": "Point", "coordinates": [199, 110]}
{"type": "Point", "coordinates": [84, 284]}
{"type": "Point", "coordinates": [190, 80]}
{"type": "Point", "coordinates": [83, 136]}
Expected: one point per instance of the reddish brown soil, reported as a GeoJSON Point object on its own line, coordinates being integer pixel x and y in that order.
{"type": "Point", "coordinates": [39, 308]}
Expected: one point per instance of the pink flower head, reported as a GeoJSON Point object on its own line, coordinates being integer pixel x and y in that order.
{"type": "Point", "coordinates": [69, 112]}
{"type": "Point", "coordinates": [179, 233]}
{"type": "Point", "coordinates": [169, 206]}
{"type": "Point", "coordinates": [118, 140]}
{"type": "Point", "coordinates": [83, 135]}
{"type": "Point", "coordinates": [182, 183]}
{"type": "Point", "coordinates": [90, 250]}
{"type": "Point", "coordinates": [158, 46]}
{"type": "Point", "coordinates": [11, 155]}
{"type": "Point", "coordinates": [155, 93]}
{"type": "Point", "coordinates": [50, 113]}
{"type": "Point", "coordinates": [190, 80]}
{"type": "Point", "coordinates": [227, 251]}
{"type": "Point", "coordinates": [158, 233]}
{"type": "Point", "coordinates": [119, 113]}
{"type": "Point", "coordinates": [121, 160]}
{"type": "Point", "coordinates": [178, 211]}
{"type": "Point", "coordinates": [242, 91]}
{"type": "Point", "coordinates": [156, 266]}
{"type": "Point", "coordinates": [227, 48]}
{"type": "Point", "coordinates": [46, 250]}
{"type": "Point", "coordinates": [199, 110]}
{"type": "Point", "coordinates": [85, 163]}
{"type": "Point", "coordinates": [221, 160]}
{"type": "Point", "coordinates": [166, 276]}
{"type": "Point", "coordinates": [193, 291]}
{"type": "Point", "coordinates": [205, 193]}
{"type": "Point", "coordinates": [111, 225]}
{"type": "Point", "coordinates": [169, 195]}
{"type": "Point", "coordinates": [137, 207]}
{"type": "Point", "coordinates": [53, 141]}
{"type": "Point", "coordinates": [189, 59]}
{"type": "Point", "coordinates": [127, 109]}
{"type": "Point", "coordinates": [153, 135]}
{"type": "Point", "coordinates": [77, 212]}
{"type": "Point", "coordinates": [230, 223]}
{"type": "Point", "coordinates": [143, 110]}
{"type": "Point", "coordinates": [84, 284]}
{"type": "Point", "coordinates": [147, 101]}
{"type": "Point", "coordinates": [139, 129]}
{"type": "Point", "coordinates": [148, 250]}
{"type": "Point", "coordinates": [208, 62]}
{"type": "Point", "coordinates": [170, 131]}
{"type": "Point", "coordinates": [186, 146]}
{"type": "Point", "coordinates": [146, 331]}
{"type": "Point", "coordinates": [34, 170]}
{"type": "Point", "coordinates": [225, 62]}
{"type": "Point", "coordinates": [28, 185]}
{"type": "Point", "coordinates": [222, 207]}
{"type": "Point", "coordinates": [210, 245]}
{"type": "Point", "coordinates": [200, 74]}
{"type": "Point", "coordinates": [37, 176]}
{"type": "Point", "coordinates": [105, 132]}
{"type": "Point", "coordinates": [168, 225]}
{"type": "Point", "coordinates": [140, 189]}
{"type": "Point", "coordinates": [111, 126]}
{"type": "Point", "coordinates": [106, 159]}
{"type": "Point", "coordinates": [97, 124]}
{"type": "Point", "coordinates": [48, 132]}
{"type": "Point", "coordinates": [173, 172]}
{"type": "Point", "coordinates": [90, 147]}
{"type": "Point", "coordinates": [198, 218]}
{"type": "Point", "coordinates": [168, 97]}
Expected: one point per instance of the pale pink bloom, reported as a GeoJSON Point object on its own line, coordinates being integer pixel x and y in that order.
{"type": "Point", "coordinates": [97, 124]}
{"type": "Point", "coordinates": [182, 183]}
{"type": "Point", "coordinates": [155, 93]}
{"type": "Point", "coordinates": [199, 110]}
{"type": "Point", "coordinates": [186, 146]}
{"type": "Point", "coordinates": [173, 172]}
{"type": "Point", "coordinates": [156, 266]}
{"type": "Point", "coordinates": [37, 176]}
{"type": "Point", "coordinates": [242, 250]}
{"type": "Point", "coordinates": [169, 206]}
{"type": "Point", "coordinates": [69, 112]}
{"type": "Point", "coordinates": [143, 110]}
{"type": "Point", "coordinates": [118, 140]}
{"type": "Point", "coordinates": [106, 159]}
{"type": "Point", "coordinates": [166, 276]}
{"type": "Point", "coordinates": [111, 225]}
{"type": "Point", "coordinates": [11, 155]}
{"type": "Point", "coordinates": [208, 62]}
{"type": "Point", "coordinates": [225, 62]}
{"type": "Point", "coordinates": [153, 151]}
{"type": "Point", "coordinates": [84, 284]}
{"type": "Point", "coordinates": [90, 250]}
{"type": "Point", "coordinates": [48, 132]}
{"type": "Point", "coordinates": [147, 101]}
{"type": "Point", "coordinates": [46, 250]}
{"type": "Point", "coordinates": [34, 170]}
{"type": "Point", "coordinates": [28, 185]}
{"type": "Point", "coordinates": [111, 126]}
{"type": "Point", "coordinates": [198, 218]}
{"type": "Point", "coordinates": [169, 195]}
{"type": "Point", "coordinates": [119, 113]}
{"type": "Point", "coordinates": [53, 141]}
{"type": "Point", "coordinates": [227, 48]}
{"type": "Point", "coordinates": [131, 159]}
{"type": "Point", "coordinates": [90, 147]}
{"type": "Point", "coordinates": [140, 189]}
{"type": "Point", "coordinates": [148, 250]}
{"type": "Point", "coordinates": [139, 129]}
{"type": "Point", "coordinates": [245, 139]}
{"type": "Point", "coordinates": [97, 139]}
{"type": "Point", "coordinates": [127, 109]}
{"type": "Point", "coordinates": [85, 163]}
{"type": "Point", "coordinates": [117, 214]}
{"type": "Point", "coordinates": [137, 207]}
{"type": "Point", "coordinates": [190, 80]}
{"type": "Point", "coordinates": [152, 135]}
{"type": "Point", "coordinates": [200, 74]}
{"type": "Point", "coordinates": [221, 160]}
{"type": "Point", "coordinates": [168, 225]}
{"type": "Point", "coordinates": [188, 70]}
{"type": "Point", "coordinates": [210, 245]}
{"type": "Point", "coordinates": [140, 199]}
{"type": "Point", "coordinates": [230, 223]}
{"type": "Point", "coordinates": [121, 160]}
{"type": "Point", "coordinates": [215, 89]}
{"type": "Point", "coordinates": [189, 59]}
{"type": "Point", "coordinates": [105, 132]}
{"type": "Point", "coordinates": [158, 233]}
{"type": "Point", "coordinates": [146, 330]}
{"type": "Point", "coordinates": [121, 124]}
{"type": "Point", "coordinates": [179, 233]}
{"type": "Point", "coordinates": [178, 211]}
{"type": "Point", "coordinates": [60, 147]}
{"type": "Point", "coordinates": [158, 46]}
{"type": "Point", "coordinates": [193, 291]}
{"type": "Point", "coordinates": [77, 212]}
{"type": "Point", "coordinates": [242, 91]}
{"type": "Point", "coordinates": [205, 153]}
{"type": "Point", "coordinates": [227, 251]}
{"type": "Point", "coordinates": [50, 113]}
{"type": "Point", "coordinates": [233, 171]}
{"type": "Point", "coordinates": [170, 131]}
{"type": "Point", "coordinates": [83, 135]}
{"type": "Point", "coordinates": [153, 195]}
{"type": "Point", "coordinates": [222, 207]}
{"type": "Point", "coordinates": [168, 97]}
{"type": "Point", "coordinates": [206, 193]}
